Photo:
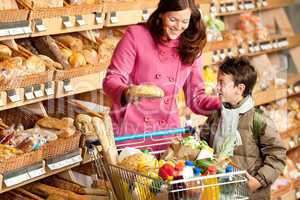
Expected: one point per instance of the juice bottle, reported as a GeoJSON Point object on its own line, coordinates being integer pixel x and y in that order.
{"type": "Point", "coordinates": [211, 192]}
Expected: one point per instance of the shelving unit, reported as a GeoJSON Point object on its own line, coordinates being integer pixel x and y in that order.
{"type": "Point", "coordinates": [106, 15]}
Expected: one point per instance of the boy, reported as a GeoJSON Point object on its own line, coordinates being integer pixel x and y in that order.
{"type": "Point", "coordinates": [230, 129]}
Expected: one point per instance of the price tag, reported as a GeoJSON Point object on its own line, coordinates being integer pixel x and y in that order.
{"type": "Point", "coordinates": [264, 3]}
{"type": "Point", "coordinates": [38, 91]}
{"type": "Point", "coordinates": [36, 172]}
{"type": "Point", "coordinates": [27, 29]}
{"type": "Point", "coordinates": [49, 88]}
{"type": "Point", "coordinates": [291, 144]}
{"type": "Point", "coordinates": [16, 31]}
{"type": "Point", "coordinates": [229, 53]}
{"type": "Point", "coordinates": [64, 163]}
{"type": "Point", "coordinates": [66, 22]}
{"type": "Point", "coordinates": [16, 179]}
{"type": "Point", "coordinates": [213, 8]}
{"type": "Point", "coordinates": [265, 45]}
{"type": "Point", "coordinates": [67, 86]}
{"type": "Point", "coordinates": [145, 15]}
{"type": "Point", "coordinates": [251, 48]}
{"type": "Point", "coordinates": [12, 95]}
{"type": "Point", "coordinates": [215, 57]}
{"type": "Point", "coordinates": [241, 6]}
{"type": "Point", "coordinates": [80, 21]}
{"type": "Point", "coordinates": [4, 32]}
{"type": "Point", "coordinates": [282, 43]}
{"type": "Point", "coordinates": [249, 5]}
{"type": "Point", "coordinates": [39, 25]}
{"type": "Point", "coordinates": [222, 54]}
{"type": "Point", "coordinates": [77, 159]}
{"type": "Point", "coordinates": [222, 8]}
{"type": "Point", "coordinates": [297, 89]}
{"type": "Point", "coordinates": [230, 7]}
{"type": "Point", "coordinates": [274, 43]}
{"type": "Point", "coordinates": [99, 19]}
{"type": "Point", "coordinates": [113, 17]}
{"type": "Point", "coordinates": [29, 93]}
{"type": "Point", "coordinates": [256, 47]}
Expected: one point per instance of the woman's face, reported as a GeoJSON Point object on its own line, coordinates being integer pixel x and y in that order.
{"type": "Point", "coordinates": [175, 22]}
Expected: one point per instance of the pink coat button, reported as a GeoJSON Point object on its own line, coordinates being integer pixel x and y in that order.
{"type": "Point", "coordinates": [167, 101]}
{"type": "Point", "coordinates": [171, 79]}
{"type": "Point", "coordinates": [146, 119]}
{"type": "Point", "coordinates": [162, 122]}
{"type": "Point", "coordinates": [157, 76]}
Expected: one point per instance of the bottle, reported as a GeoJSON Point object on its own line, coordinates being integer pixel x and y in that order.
{"type": "Point", "coordinates": [188, 170]}
{"type": "Point", "coordinates": [227, 190]}
{"type": "Point", "coordinates": [211, 192]}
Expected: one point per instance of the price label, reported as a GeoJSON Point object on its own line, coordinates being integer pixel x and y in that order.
{"type": "Point", "coordinates": [241, 6]}
{"type": "Point", "coordinates": [213, 8]}
{"type": "Point", "coordinates": [215, 57]}
{"type": "Point", "coordinates": [99, 19]}
{"type": "Point", "coordinates": [4, 32]}
{"type": "Point", "coordinates": [80, 21]}
{"type": "Point", "coordinates": [64, 163]}
{"type": "Point", "coordinates": [67, 86]}
{"type": "Point", "coordinates": [113, 17]}
{"type": "Point", "coordinates": [230, 7]}
{"type": "Point", "coordinates": [36, 172]}
{"type": "Point", "coordinates": [66, 22]}
{"type": "Point", "coordinates": [291, 143]}
{"type": "Point", "coordinates": [27, 29]}
{"type": "Point", "coordinates": [16, 179]}
{"type": "Point", "coordinates": [49, 88]}
{"type": "Point", "coordinates": [223, 8]}
{"type": "Point", "coordinates": [229, 53]}
{"type": "Point", "coordinates": [13, 96]}
{"type": "Point", "coordinates": [16, 31]}
{"type": "Point", "coordinates": [145, 15]}
{"type": "Point", "coordinates": [222, 55]}
{"type": "Point", "coordinates": [29, 93]}
{"type": "Point", "coordinates": [256, 47]}
{"type": "Point", "coordinates": [264, 3]}
{"type": "Point", "coordinates": [249, 5]}
{"type": "Point", "coordinates": [39, 25]}
{"type": "Point", "coordinates": [282, 43]}
{"type": "Point", "coordinates": [38, 91]}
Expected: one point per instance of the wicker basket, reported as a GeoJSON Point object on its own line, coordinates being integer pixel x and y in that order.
{"type": "Point", "coordinates": [77, 72]}
{"type": "Point", "coordinates": [41, 13]}
{"type": "Point", "coordinates": [61, 146]}
{"type": "Point", "coordinates": [21, 161]}
{"type": "Point", "coordinates": [28, 80]}
{"type": "Point", "coordinates": [13, 15]}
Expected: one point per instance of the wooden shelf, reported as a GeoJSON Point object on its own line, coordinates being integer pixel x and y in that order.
{"type": "Point", "coordinates": [271, 5]}
{"type": "Point", "coordinates": [274, 93]}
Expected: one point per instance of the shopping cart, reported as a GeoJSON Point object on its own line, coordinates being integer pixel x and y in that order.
{"type": "Point", "coordinates": [131, 185]}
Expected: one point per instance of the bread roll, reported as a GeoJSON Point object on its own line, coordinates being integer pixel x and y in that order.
{"type": "Point", "coordinates": [148, 91]}
{"type": "Point", "coordinates": [5, 52]}
{"type": "Point", "coordinates": [91, 56]}
{"type": "Point", "coordinates": [77, 59]}
{"type": "Point", "coordinates": [66, 52]}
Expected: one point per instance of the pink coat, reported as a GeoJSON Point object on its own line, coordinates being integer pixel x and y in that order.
{"type": "Point", "coordinates": [139, 60]}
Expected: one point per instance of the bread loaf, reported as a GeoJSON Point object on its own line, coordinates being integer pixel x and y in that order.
{"type": "Point", "coordinates": [48, 60]}
{"type": "Point", "coordinates": [77, 59]}
{"type": "Point", "coordinates": [73, 43]}
{"type": "Point", "coordinates": [148, 91]}
{"type": "Point", "coordinates": [52, 123]}
{"type": "Point", "coordinates": [5, 52]}
{"type": "Point", "coordinates": [91, 56]}
{"type": "Point", "coordinates": [66, 52]}
{"type": "Point", "coordinates": [63, 184]}
{"type": "Point", "coordinates": [46, 45]}
{"type": "Point", "coordinates": [34, 64]}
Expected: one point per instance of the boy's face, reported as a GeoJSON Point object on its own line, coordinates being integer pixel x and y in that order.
{"type": "Point", "coordinates": [227, 91]}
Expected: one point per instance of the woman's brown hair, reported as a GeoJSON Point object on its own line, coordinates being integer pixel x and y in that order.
{"type": "Point", "coordinates": [192, 40]}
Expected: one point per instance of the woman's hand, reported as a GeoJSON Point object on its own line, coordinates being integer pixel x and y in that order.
{"type": "Point", "coordinates": [252, 183]}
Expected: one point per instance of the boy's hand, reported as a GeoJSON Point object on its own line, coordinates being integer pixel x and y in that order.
{"type": "Point", "coordinates": [253, 183]}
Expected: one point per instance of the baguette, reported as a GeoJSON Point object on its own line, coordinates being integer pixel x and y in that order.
{"type": "Point", "coordinates": [63, 184]}
{"type": "Point", "coordinates": [46, 190]}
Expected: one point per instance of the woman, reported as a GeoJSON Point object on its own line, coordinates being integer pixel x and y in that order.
{"type": "Point", "coordinates": [164, 52]}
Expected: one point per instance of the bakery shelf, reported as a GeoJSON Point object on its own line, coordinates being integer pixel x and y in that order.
{"type": "Point", "coordinates": [274, 93]}
{"type": "Point", "coordinates": [271, 4]}
{"type": "Point", "coordinates": [275, 44]}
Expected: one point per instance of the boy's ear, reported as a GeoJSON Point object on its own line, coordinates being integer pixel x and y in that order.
{"type": "Point", "coordinates": [241, 87]}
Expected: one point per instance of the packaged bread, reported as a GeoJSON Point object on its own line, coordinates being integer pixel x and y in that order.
{"type": "Point", "coordinates": [34, 64]}
{"type": "Point", "coordinates": [11, 68]}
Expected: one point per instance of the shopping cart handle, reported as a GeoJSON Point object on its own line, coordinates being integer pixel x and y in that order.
{"type": "Point", "coordinates": [187, 129]}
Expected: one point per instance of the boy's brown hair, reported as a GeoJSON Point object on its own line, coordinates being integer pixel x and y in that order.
{"type": "Point", "coordinates": [242, 72]}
